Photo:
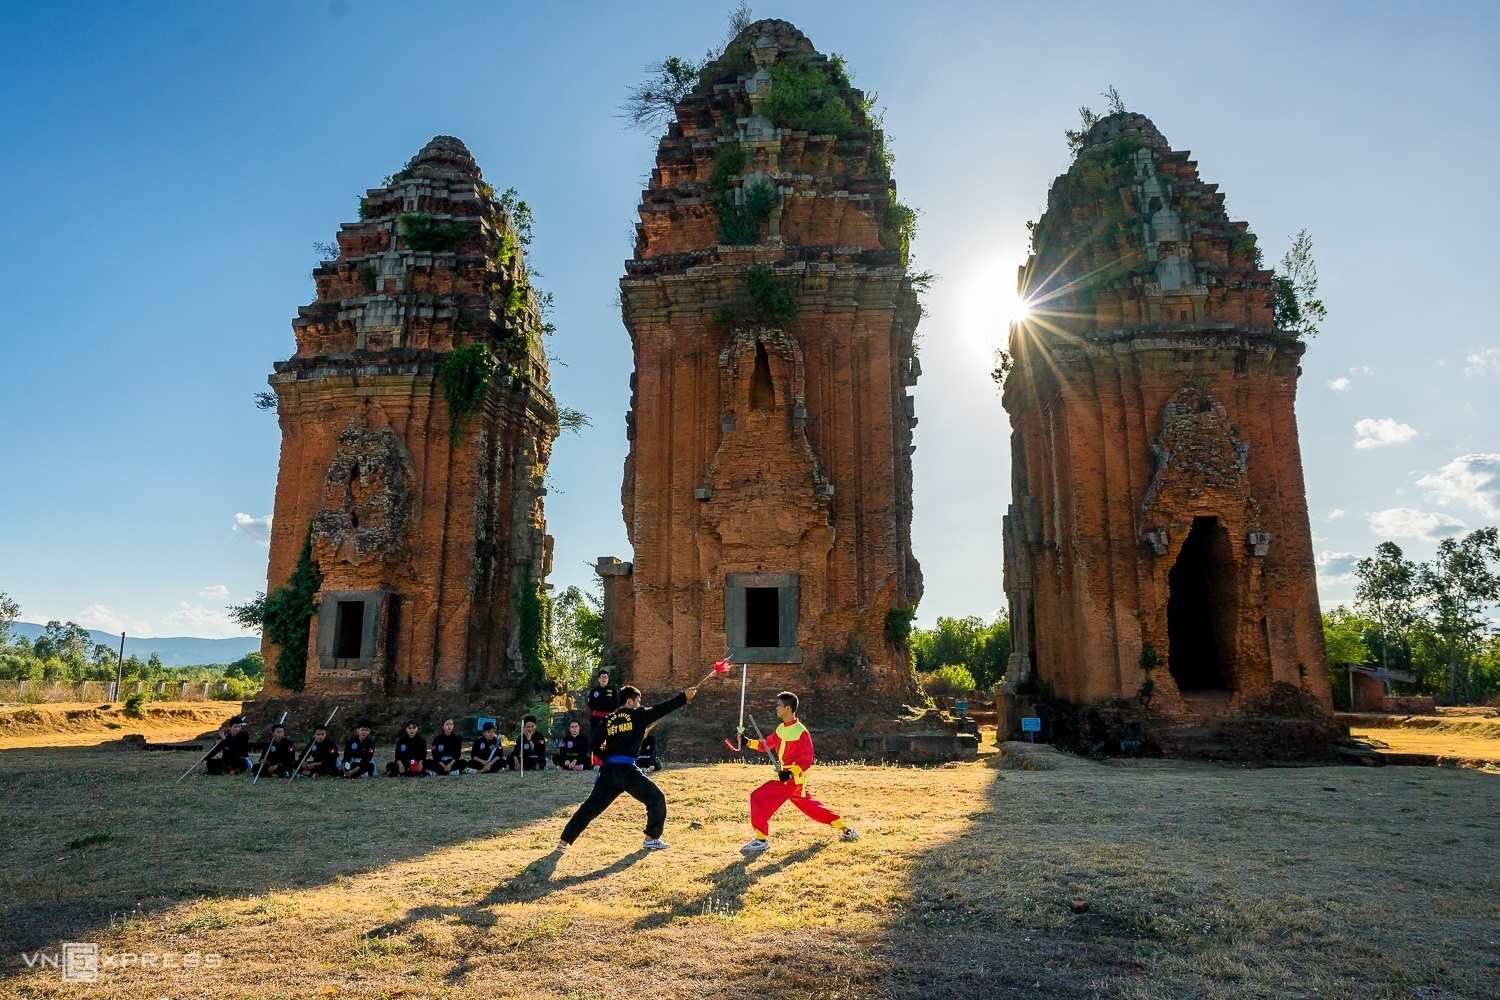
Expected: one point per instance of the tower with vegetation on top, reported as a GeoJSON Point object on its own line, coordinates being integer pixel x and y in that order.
{"type": "Point", "coordinates": [408, 547]}
{"type": "Point", "coordinates": [767, 491]}
{"type": "Point", "coordinates": [1157, 545]}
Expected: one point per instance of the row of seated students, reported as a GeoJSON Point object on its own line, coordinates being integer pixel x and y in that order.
{"type": "Point", "coordinates": [413, 757]}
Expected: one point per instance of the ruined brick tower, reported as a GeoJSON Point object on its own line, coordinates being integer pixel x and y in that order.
{"type": "Point", "coordinates": [417, 479]}
{"type": "Point", "coordinates": [767, 491]}
{"type": "Point", "coordinates": [1158, 501]}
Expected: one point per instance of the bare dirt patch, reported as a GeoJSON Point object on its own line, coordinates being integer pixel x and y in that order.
{"type": "Point", "coordinates": [1202, 881]}
{"type": "Point", "coordinates": [1454, 736]}
{"type": "Point", "coordinates": [71, 724]}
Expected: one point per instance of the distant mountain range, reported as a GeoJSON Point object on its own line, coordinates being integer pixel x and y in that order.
{"type": "Point", "coordinates": [175, 651]}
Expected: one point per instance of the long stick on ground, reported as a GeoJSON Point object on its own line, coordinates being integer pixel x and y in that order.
{"type": "Point", "coordinates": [298, 769]}
{"type": "Point", "coordinates": [267, 751]}
{"type": "Point", "coordinates": [201, 759]}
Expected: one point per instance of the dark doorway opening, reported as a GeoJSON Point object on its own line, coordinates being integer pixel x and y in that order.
{"type": "Point", "coordinates": [763, 616]}
{"type": "Point", "coordinates": [349, 630]}
{"type": "Point", "coordinates": [1202, 607]}
{"type": "Point", "coordinates": [762, 389]}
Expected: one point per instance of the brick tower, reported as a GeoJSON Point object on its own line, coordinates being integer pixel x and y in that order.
{"type": "Point", "coordinates": [767, 492]}
{"type": "Point", "coordinates": [416, 479]}
{"type": "Point", "coordinates": [1158, 502]}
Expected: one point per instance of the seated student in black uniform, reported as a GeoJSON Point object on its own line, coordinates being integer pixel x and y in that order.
{"type": "Point", "coordinates": [232, 754]}
{"type": "Point", "coordinates": [447, 752]}
{"type": "Point", "coordinates": [485, 756]}
{"type": "Point", "coordinates": [573, 750]}
{"type": "Point", "coordinates": [411, 752]}
{"type": "Point", "coordinates": [322, 756]}
{"type": "Point", "coordinates": [645, 757]}
{"type": "Point", "coordinates": [359, 753]}
{"type": "Point", "coordinates": [530, 751]}
{"type": "Point", "coordinates": [281, 755]}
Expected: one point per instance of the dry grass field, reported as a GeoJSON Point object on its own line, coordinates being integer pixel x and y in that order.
{"type": "Point", "coordinates": [1200, 880]}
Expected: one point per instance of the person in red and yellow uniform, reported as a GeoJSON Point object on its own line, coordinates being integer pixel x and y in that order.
{"type": "Point", "coordinates": [792, 749]}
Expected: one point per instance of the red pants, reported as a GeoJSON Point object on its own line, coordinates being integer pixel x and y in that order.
{"type": "Point", "coordinates": [771, 796]}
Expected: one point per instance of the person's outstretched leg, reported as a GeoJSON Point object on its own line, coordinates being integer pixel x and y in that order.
{"type": "Point", "coordinates": [644, 791]}
{"type": "Point", "coordinates": [764, 802]}
{"type": "Point", "coordinates": [605, 791]}
{"type": "Point", "coordinates": [813, 809]}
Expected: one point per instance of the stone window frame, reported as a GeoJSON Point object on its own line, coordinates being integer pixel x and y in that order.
{"type": "Point", "coordinates": [789, 587]}
{"type": "Point", "coordinates": [374, 602]}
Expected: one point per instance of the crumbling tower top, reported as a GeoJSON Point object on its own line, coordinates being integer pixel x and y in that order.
{"type": "Point", "coordinates": [1133, 238]}
{"type": "Point", "coordinates": [774, 147]}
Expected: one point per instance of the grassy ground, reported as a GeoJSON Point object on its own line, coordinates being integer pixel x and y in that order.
{"type": "Point", "coordinates": [1200, 880]}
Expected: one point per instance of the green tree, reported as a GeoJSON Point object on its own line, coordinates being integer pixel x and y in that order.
{"type": "Point", "coordinates": [285, 616]}
{"type": "Point", "coordinates": [1387, 593]}
{"type": "Point", "coordinates": [1298, 310]}
{"type": "Point", "coordinates": [577, 635]}
{"type": "Point", "coordinates": [9, 612]}
{"type": "Point", "coordinates": [983, 648]}
{"type": "Point", "coordinates": [1458, 586]}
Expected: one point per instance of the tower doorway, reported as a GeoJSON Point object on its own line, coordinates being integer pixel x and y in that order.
{"type": "Point", "coordinates": [1202, 608]}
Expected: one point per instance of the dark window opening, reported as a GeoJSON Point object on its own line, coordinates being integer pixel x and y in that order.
{"type": "Point", "coordinates": [762, 616]}
{"type": "Point", "coordinates": [762, 390]}
{"type": "Point", "coordinates": [349, 628]}
{"type": "Point", "coordinates": [1202, 607]}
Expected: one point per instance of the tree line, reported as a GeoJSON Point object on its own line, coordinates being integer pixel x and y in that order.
{"type": "Point", "coordinates": [1432, 619]}
{"type": "Point", "coordinates": [66, 652]}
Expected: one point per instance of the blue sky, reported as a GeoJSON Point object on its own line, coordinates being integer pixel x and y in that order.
{"type": "Point", "coordinates": [167, 170]}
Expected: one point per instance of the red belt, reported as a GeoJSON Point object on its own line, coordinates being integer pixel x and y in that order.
{"type": "Point", "coordinates": [601, 715]}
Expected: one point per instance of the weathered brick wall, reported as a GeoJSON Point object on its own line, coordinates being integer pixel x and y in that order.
{"type": "Point", "coordinates": [447, 522]}
{"type": "Point", "coordinates": [765, 448]}
{"type": "Point", "coordinates": [1151, 390]}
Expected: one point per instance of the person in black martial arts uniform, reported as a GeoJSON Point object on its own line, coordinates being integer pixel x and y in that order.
{"type": "Point", "coordinates": [618, 742]}
{"type": "Point", "coordinates": [411, 753]}
{"type": "Point", "coordinates": [232, 755]}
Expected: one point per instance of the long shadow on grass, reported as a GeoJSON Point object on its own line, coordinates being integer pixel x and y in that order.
{"type": "Point", "coordinates": [95, 834]}
{"type": "Point", "coordinates": [962, 929]}
{"type": "Point", "coordinates": [528, 885]}
{"type": "Point", "coordinates": [730, 884]}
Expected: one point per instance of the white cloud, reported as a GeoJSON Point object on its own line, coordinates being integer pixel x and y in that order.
{"type": "Point", "coordinates": [1483, 362]}
{"type": "Point", "coordinates": [1374, 433]}
{"type": "Point", "coordinates": [1404, 522]}
{"type": "Point", "coordinates": [1468, 481]}
{"type": "Point", "coordinates": [257, 528]}
{"type": "Point", "coordinates": [217, 590]}
{"type": "Point", "coordinates": [1363, 369]}
{"type": "Point", "coordinates": [106, 619]}
{"type": "Point", "coordinates": [1336, 513]}
{"type": "Point", "coordinates": [1335, 567]}
{"type": "Point", "coordinates": [201, 622]}
{"type": "Point", "coordinates": [1339, 384]}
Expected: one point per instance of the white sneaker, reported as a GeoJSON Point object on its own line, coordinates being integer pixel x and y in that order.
{"type": "Point", "coordinates": [455, 773]}
{"type": "Point", "coordinates": [562, 845]}
{"type": "Point", "coordinates": [471, 770]}
{"type": "Point", "coordinates": [756, 845]}
{"type": "Point", "coordinates": [847, 835]}
{"type": "Point", "coordinates": [654, 844]}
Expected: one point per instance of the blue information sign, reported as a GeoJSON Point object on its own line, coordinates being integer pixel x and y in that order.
{"type": "Point", "coordinates": [1031, 724]}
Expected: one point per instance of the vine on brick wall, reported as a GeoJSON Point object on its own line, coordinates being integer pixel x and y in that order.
{"type": "Point", "coordinates": [285, 617]}
{"type": "Point", "coordinates": [464, 376]}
